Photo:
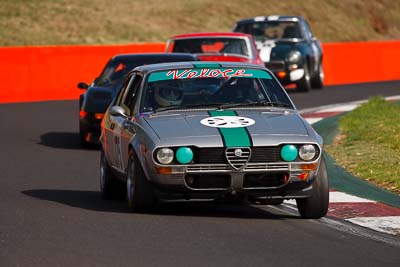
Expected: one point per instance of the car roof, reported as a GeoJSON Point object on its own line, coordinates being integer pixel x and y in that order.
{"type": "Point", "coordinates": [270, 18]}
{"type": "Point", "coordinates": [210, 34]}
{"type": "Point", "coordinates": [195, 64]}
{"type": "Point", "coordinates": [143, 56]}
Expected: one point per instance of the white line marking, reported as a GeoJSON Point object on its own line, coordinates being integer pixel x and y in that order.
{"type": "Point", "coordinates": [340, 197]}
{"type": "Point", "coordinates": [341, 108]}
{"type": "Point", "coordinates": [313, 120]}
{"type": "Point", "coordinates": [388, 224]}
{"type": "Point", "coordinates": [318, 109]}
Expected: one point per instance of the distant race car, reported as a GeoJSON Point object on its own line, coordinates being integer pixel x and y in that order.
{"type": "Point", "coordinates": [99, 94]}
{"type": "Point", "coordinates": [288, 48]}
{"type": "Point", "coordinates": [210, 131]}
{"type": "Point", "coordinates": [216, 46]}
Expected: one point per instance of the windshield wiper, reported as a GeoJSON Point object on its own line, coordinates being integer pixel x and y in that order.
{"type": "Point", "coordinates": [177, 107]}
{"type": "Point", "coordinates": [254, 104]}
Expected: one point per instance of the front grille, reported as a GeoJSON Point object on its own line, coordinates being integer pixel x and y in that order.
{"type": "Point", "coordinates": [208, 181]}
{"type": "Point", "coordinates": [210, 155]}
{"type": "Point", "coordinates": [275, 65]}
{"type": "Point", "coordinates": [238, 157]}
{"type": "Point", "coordinates": [254, 167]}
{"type": "Point", "coordinates": [211, 167]}
{"type": "Point", "coordinates": [267, 166]}
{"type": "Point", "coordinates": [217, 155]}
{"type": "Point", "coordinates": [257, 180]}
{"type": "Point", "coordinates": [266, 154]}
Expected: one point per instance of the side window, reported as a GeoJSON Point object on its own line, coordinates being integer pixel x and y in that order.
{"type": "Point", "coordinates": [122, 90]}
{"type": "Point", "coordinates": [130, 94]}
{"type": "Point", "coordinates": [307, 30]}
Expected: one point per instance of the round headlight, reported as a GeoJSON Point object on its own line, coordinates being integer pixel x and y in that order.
{"type": "Point", "coordinates": [165, 155]}
{"type": "Point", "coordinates": [184, 155]}
{"type": "Point", "coordinates": [307, 152]}
{"type": "Point", "coordinates": [289, 152]}
{"type": "Point", "coordinates": [294, 57]}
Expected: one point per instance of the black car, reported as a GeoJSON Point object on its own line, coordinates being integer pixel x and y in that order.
{"type": "Point", "coordinates": [288, 48]}
{"type": "Point", "coordinates": [99, 94]}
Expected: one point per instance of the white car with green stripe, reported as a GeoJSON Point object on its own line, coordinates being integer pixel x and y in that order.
{"type": "Point", "coordinates": [210, 131]}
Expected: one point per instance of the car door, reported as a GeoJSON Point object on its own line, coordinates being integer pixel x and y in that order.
{"type": "Point", "coordinates": [124, 129]}
{"type": "Point", "coordinates": [110, 122]}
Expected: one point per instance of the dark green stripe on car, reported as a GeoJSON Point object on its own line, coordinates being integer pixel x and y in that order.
{"type": "Point", "coordinates": [232, 137]}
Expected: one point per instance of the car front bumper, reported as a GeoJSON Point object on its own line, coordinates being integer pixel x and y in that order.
{"type": "Point", "coordinates": [271, 180]}
{"type": "Point", "coordinates": [286, 73]}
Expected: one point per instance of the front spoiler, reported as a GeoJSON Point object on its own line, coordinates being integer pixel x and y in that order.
{"type": "Point", "coordinates": [180, 192]}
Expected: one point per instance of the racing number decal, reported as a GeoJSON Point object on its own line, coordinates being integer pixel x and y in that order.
{"type": "Point", "coordinates": [118, 152]}
{"type": "Point", "coordinates": [227, 122]}
{"type": "Point", "coordinates": [231, 127]}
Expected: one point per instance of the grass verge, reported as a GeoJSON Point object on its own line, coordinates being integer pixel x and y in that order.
{"type": "Point", "coordinates": [55, 22]}
{"type": "Point", "coordinates": [368, 145]}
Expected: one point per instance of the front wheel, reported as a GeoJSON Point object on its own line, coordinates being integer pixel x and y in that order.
{"type": "Point", "coordinates": [140, 195]}
{"type": "Point", "coordinates": [82, 136]}
{"type": "Point", "coordinates": [317, 81]}
{"type": "Point", "coordinates": [304, 84]}
{"type": "Point", "coordinates": [316, 205]}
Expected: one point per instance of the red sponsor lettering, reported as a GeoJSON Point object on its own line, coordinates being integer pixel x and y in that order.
{"type": "Point", "coordinates": [176, 74]}
{"type": "Point", "coordinates": [207, 73]}
{"type": "Point", "coordinates": [214, 73]}
{"type": "Point", "coordinates": [192, 74]}
{"type": "Point", "coordinates": [225, 73]}
{"type": "Point", "coordinates": [240, 73]}
{"type": "Point", "coordinates": [203, 73]}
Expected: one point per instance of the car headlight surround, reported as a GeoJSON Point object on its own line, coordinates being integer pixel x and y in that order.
{"type": "Point", "coordinates": [289, 152]}
{"type": "Point", "coordinates": [165, 155]}
{"type": "Point", "coordinates": [184, 155]}
{"type": "Point", "coordinates": [294, 57]}
{"type": "Point", "coordinates": [307, 152]}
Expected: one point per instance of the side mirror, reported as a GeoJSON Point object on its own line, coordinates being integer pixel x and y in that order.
{"type": "Point", "coordinates": [118, 111]}
{"type": "Point", "coordinates": [83, 85]}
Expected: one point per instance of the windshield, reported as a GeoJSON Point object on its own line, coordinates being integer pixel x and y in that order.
{"type": "Point", "coordinates": [211, 46]}
{"type": "Point", "coordinates": [212, 89]}
{"type": "Point", "coordinates": [114, 73]}
{"type": "Point", "coordinates": [269, 30]}
{"type": "Point", "coordinates": [116, 70]}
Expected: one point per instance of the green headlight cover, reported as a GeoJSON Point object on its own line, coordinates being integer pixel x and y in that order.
{"type": "Point", "coordinates": [289, 152]}
{"type": "Point", "coordinates": [184, 155]}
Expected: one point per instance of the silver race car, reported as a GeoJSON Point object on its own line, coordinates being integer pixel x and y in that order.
{"type": "Point", "coordinates": [210, 131]}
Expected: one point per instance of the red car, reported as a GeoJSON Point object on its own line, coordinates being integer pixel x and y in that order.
{"type": "Point", "coordinates": [216, 46]}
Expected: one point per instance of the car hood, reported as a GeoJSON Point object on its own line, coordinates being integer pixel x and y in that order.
{"type": "Point", "coordinates": [272, 50]}
{"type": "Point", "coordinates": [186, 127]}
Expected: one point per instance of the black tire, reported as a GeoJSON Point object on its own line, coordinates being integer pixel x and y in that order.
{"type": "Point", "coordinates": [304, 84]}
{"type": "Point", "coordinates": [140, 194]}
{"type": "Point", "coordinates": [82, 139]}
{"type": "Point", "coordinates": [316, 206]}
{"type": "Point", "coordinates": [317, 81]}
{"type": "Point", "coordinates": [110, 187]}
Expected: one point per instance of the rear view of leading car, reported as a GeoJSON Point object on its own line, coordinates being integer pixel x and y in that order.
{"type": "Point", "coordinates": [288, 48]}
{"type": "Point", "coordinates": [210, 130]}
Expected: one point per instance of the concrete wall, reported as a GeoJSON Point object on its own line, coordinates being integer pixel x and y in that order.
{"type": "Point", "coordinates": [52, 72]}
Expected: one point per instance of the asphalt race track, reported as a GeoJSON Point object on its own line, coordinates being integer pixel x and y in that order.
{"type": "Point", "coordinates": [51, 213]}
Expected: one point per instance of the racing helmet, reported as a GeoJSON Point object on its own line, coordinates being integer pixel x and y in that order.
{"type": "Point", "coordinates": [168, 93]}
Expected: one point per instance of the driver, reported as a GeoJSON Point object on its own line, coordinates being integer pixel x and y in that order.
{"type": "Point", "coordinates": [271, 33]}
{"type": "Point", "coordinates": [168, 93]}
